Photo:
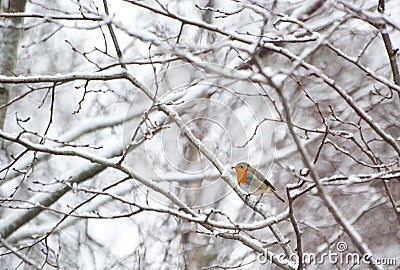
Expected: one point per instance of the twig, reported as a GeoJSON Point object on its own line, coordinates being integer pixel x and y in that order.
{"type": "Point", "coordinates": [298, 233]}
{"type": "Point", "coordinates": [114, 38]}
{"type": "Point", "coordinates": [392, 53]}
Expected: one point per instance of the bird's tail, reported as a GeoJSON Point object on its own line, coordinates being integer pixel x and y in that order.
{"type": "Point", "coordinates": [279, 197]}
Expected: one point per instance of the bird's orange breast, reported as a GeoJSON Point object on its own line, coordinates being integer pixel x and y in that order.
{"type": "Point", "coordinates": [241, 175]}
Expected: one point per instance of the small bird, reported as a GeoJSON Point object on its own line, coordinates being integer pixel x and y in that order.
{"type": "Point", "coordinates": [252, 181]}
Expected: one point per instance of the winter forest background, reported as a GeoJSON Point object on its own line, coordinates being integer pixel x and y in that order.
{"type": "Point", "coordinates": [120, 122]}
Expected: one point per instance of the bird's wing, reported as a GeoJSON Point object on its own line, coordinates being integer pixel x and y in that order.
{"type": "Point", "coordinates": [269, 184]}
{"type": "Point", "coordinates": [260, 176]}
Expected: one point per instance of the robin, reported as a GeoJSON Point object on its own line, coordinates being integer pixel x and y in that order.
{"type": "Point", "coordinates": [252, 181]}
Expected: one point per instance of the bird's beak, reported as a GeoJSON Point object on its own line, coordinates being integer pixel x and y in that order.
{"type": "Point", "coordinates": [232, 167]}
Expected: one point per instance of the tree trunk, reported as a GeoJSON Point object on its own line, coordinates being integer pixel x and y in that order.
{"type": "Point", "coordinates": [9, 36]}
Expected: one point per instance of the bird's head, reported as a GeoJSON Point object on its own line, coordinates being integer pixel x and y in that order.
{"type": "Point", "coordinates": [241, 166]}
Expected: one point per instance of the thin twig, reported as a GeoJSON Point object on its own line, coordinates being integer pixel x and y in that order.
{"type": "Point", "coordinates": [114, 38]}
{"type": "Point", "coordinates": [392, 53]}
{"type": "Point", "coordinates": [299, 246]}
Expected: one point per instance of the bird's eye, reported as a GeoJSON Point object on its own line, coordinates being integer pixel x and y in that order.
{"type": "Point", "coordinates": [241, 166]}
